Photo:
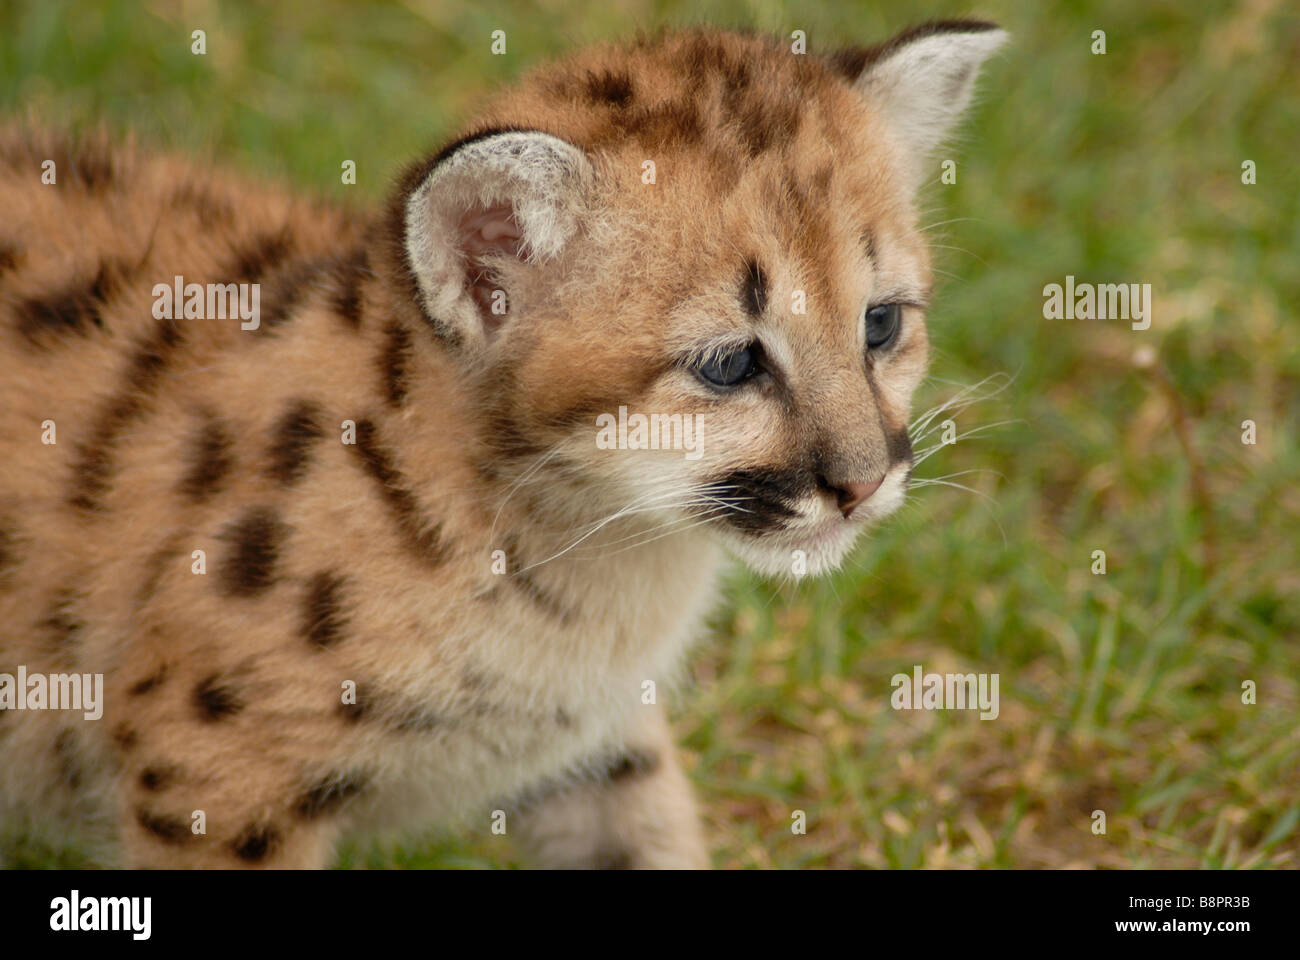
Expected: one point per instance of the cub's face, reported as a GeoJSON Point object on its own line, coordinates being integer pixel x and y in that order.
{"type": "Point", "coordinates": [688, 282]}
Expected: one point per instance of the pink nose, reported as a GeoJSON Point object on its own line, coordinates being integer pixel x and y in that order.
{"type": "Point", "coordinates": [852, 494]}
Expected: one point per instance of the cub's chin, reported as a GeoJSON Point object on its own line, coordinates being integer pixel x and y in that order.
{"type": "Point", "coordinates": [793, 554]}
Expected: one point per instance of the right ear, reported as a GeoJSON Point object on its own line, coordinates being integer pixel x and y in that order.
{"type": "Point", "coordinates": [481, 203]}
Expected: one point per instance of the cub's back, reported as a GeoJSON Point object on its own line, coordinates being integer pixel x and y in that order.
{"type": "Point", "coordinates": [128, 439]}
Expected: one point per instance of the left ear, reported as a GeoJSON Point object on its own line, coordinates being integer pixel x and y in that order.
{"type": "Point", "coordinates": [922, 79]}
{"type": "Point", "coordinates": [483, 202]}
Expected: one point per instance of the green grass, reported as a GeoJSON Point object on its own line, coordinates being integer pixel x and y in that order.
{"type": "Point", "coordinates": [1119, 692]}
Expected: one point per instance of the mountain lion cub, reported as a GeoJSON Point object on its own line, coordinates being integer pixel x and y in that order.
{"type": "Point", "coordinates": [314, 524]}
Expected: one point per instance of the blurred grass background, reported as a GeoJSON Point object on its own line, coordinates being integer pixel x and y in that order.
{"type": "Point", "coordinates": [1119, 692]}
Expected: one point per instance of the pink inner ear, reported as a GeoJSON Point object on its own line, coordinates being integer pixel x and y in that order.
{"type": "Point", "coordinates": [484, 233]}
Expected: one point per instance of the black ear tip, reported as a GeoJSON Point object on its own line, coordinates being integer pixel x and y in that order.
{"type": "Point", "coordinates": [961, 25]}
{"type": "Point", "coordinates": [852, 61]}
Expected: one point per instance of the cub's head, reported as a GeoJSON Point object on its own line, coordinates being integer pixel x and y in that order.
{"type": "Point", "coordinates": [684, 280]}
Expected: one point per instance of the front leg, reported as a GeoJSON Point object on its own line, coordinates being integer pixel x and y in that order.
{"type": "Point", "coordinates": [638, 813]}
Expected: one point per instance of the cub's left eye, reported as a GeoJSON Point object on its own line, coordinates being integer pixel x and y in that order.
{"type": "Point", "coordinates": [882, 324]}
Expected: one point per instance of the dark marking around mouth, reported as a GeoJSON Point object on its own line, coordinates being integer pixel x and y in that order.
{"type": "Point", "coordinates": [761, 498]}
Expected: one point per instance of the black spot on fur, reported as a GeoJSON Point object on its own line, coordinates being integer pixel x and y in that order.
{"type": "Point", "coordinates": [329, 794]}
{"type": "Point", "coordinates": [508, 439]}
{"type": "Point", "coordinates": [765, 126]}
{"type": "Point", "coordinates": [211, 209]}
{"type": "Point", "coordinates": [254, 258]}
{"type": "Point", "coordinates": [250, 567]}
{"type": "Point", "coordinates": [60, 623]}
{"type": "Point", "coordinates": [610, 87]}
{"type": "Point", "coordinates": [125, 738]}
{"type": "Point", "coordinates": [394, 362]}
{"type": "Point", "coordinates": [632, 765]}
{"type": "Point", "coordinates": [211, 461]}
{"type": "Point", "coordinates": [88, 162]}
{"type": "Point", "coordinates": [394, 711]}
{"type": "Point", "coordinates": [754, 289]}
{"type": "Point", "coordinates": [256, 842]}
{"type": "Point", "coordinates": [705, 57]}
{"type": "Point", "coordinates": [76, 308]}
{"type": "Point", "coordinates": [291, 439]}
{"type": "Point", "coordinates": [149, 683]}
{"type": "Point", "coordinates": [10, 255]}
{"type": "Point", "coordinates": [93, 464]}
{"type": "Point", "coordinates": [673, 123]}
{"type": "Point", "coordinates": [423, 540]}
{"type": "Point", "coordinates": [158, 777]}
{"type": "Point", "coordinates": [323, 617]}
{"type": "Point", "coordinates": [737, 84]}
{"type": "Point", "coordinates": [283, 290]}
{"type": "Point", "coordinates": [170, 829]}
{"type": "Point", "coordinates": [216, 698]}
{"type": "Point", "coordinates": [352, 273]}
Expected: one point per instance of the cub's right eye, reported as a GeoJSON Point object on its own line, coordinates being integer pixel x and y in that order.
{"type": "Point", "coordinates": [728, 369]}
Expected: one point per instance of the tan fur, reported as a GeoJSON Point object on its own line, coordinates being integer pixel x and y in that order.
{"type": "Point", "coordinates": [373, 562]}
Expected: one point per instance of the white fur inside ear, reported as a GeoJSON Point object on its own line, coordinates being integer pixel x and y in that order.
{"type": "Point", "coordinates": [542, 178]}
{"type": "Point", "coordinates": [924, 85]}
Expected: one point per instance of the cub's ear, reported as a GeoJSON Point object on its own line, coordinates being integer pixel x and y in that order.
{"type": "Point", "coordinates": [923, 78]}
{"type": "Point", "coordinates": [483, 204]}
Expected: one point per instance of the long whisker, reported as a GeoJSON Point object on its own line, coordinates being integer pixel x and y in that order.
{"type": "Point", "coordinates": [924, 419]}
{"type": "Point", "coordinates": [662, 499]}
{"type": "Point", "coordinates": [944, 223]}
{"type": "Point", "coordinates": [709, 517]}
{"type": "Point", "coordinates": [922, 481]}
{"type": "Point", "coordinates": [984, 496]}
{"type": "Point", "coordinates": [959, 401]}
{"type": "Point", "coordinates": [718, 505]}
{"type": "Point", "coordinates": [923, 455]}
{"type": "Point", "coordinates": [947, 246]}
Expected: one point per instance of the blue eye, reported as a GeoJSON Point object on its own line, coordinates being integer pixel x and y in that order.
{"type": "Point", "coordinates": [728, 369]}
{"type": "Point", "coordinates": [882, 324]}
